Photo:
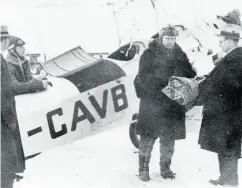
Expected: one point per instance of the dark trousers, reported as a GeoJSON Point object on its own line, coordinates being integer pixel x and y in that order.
{"type": "Point", "coordinates": [7, 180]}
{"type": "Point", "coordinates": [166, 152]}
{"type": "Point", "coordinates": [228, 166]}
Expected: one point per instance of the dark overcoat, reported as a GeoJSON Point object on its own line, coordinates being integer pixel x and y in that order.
{"type": "Point", "coordinates": [158, 112]}
{"type": "Point", "coordinates": [221, 93]}
{"type": "Point", "coordinates": [12, 156]}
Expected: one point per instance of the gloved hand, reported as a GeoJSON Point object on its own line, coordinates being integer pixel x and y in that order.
{"type": "Point", "coordinates": [200, 79]}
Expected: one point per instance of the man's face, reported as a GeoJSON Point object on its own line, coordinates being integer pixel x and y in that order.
{"type": "Point", "coordinates": [20, 50]}
{"type": "Point", "coordinates": [224, 44]}
{"type": "Point", "coordinates": [168, 41]}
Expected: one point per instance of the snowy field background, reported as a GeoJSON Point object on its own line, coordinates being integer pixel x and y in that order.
{"type": "Point", "coordinates": [109, 160]}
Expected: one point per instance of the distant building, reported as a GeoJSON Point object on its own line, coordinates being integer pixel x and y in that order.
{"type": "Point", "coordinates": [99, 54]}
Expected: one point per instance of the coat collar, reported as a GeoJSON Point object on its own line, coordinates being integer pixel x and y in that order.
{"type": "Point", "coordinates": [13, 59]}
{"type": "Point", "coordinates": [234, 51]}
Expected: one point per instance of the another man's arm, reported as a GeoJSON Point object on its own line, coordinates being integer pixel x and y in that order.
{"type": "Point", "coordinates": [24, 87]}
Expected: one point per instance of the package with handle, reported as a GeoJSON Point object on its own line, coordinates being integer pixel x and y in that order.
{"type": "Point", "coordinates": [183, 90]}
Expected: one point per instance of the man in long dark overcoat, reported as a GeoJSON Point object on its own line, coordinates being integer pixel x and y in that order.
{"type": "Point", "coordinates": [159, 116]}
{"type": "Point", "coordinates": [12, 156]}
{"type": "Point", "coordinates": [221, 92]}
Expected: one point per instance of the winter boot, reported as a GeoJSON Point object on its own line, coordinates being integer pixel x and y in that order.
{"type": "Point", "coordinates": [228, 166]}
{"type": "Point", "coordinates": [143, 169]}
{"type": "Point", "coordinates": [168, 174]}
{"type": "Point", "coordinates": [144, 176]}
{"type": "Point", "coordinates": [233, 182]}
{"type": "Point", "coordinates": [165, 170]}
{"type": "Point", "coordinates": [166, 153]}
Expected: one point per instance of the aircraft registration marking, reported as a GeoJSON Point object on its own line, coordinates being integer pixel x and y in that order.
{"type": "Point", "coordinates": [34, 131]}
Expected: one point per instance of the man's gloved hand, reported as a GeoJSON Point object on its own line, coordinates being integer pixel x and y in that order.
{"type": "Point", "coordinates": [200, 79]}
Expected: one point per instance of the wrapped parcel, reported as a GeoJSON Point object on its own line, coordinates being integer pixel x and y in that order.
{"type": "Point", "coordinates": [183, 90]}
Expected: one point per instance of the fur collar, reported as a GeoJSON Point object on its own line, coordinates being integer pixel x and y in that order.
{"type": "Point", "coordinates": [157, 48]}
{"type": "Point", "coordinates": [13, 59]}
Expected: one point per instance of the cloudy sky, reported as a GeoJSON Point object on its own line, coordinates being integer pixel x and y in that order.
{"type": "Point", "coordinates": [55, 26]}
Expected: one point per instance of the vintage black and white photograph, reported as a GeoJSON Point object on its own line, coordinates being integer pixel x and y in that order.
{"type": "Point", "coordinates": [121, 93]}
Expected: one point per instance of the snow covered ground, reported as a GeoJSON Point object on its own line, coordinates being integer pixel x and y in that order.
{"type": "Point", "coordinates": [110, 160]}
